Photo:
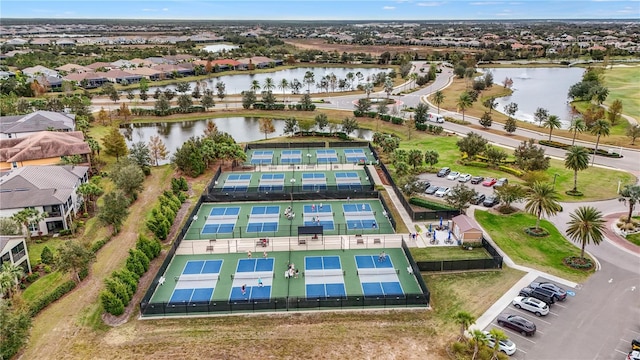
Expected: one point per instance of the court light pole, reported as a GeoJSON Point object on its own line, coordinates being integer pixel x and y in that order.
{"type": "Point", "coordinates": [308, 159]}
{"type": "Point", "coordinates": [293, 182]}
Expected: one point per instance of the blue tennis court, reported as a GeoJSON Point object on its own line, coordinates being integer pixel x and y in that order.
{"type": "Point", "coordinates": [271, 182]}
{"type": "Point", "coordinates": [326, 156]}
{"type": "Point", "coordinates": [348, 180]}
{"type": "Point", "coordinates": [326, 291]}
{"type": "Point", "coordinates": [261, 157]}
{"type": "Point", "coordinates": [253, 265]}
{"type": "Point", "coordinates": [355, 208]}
{"type": "Point", "coordinates": [270, 177]}
{"type": "Point", "coordinates": [191, 295]}
{"type": "Point", "coordinates": [354, 155]}
{"type": "Point", "coordinates": [252, 293]}
{"type": "Point", "coordinates": [263, 218]}
{"type": "Point", "coordinates": [237, 183]}
{"type": "Point", "coordinates": [378, 276]}
{"type": "Point", "coordinates": [224, 211]}
{"type": "Point", "coordinates": [314, 181]}
{"type": "Point", "coordinates": [291, 157]}
{"type": "Point", "coordinates": [322, 262]}
{"type": "Point", "coordinates": [268, 210]}
{"type": "Point", "coordinates": [221, 220]}
{"type": "Point", "coordinates": [391, 288]}
{"type": "Point", "coordinates": [236, 177]}
{"type": "Point", "coordinates": [313, 176]}
{"type": "Point", "coordinates": [372, 262]}
{"type": "Point", "coordinates": [317, 209]}
{"type": "Point", "coordinates": [193, 267]}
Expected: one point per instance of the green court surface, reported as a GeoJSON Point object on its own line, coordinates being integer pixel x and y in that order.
{"type": "Point", "coordinates": [268, 219]}
{"type": "Point", "coordinates": [304, 180]}
{"type": "Point", "coordinates": [282, 287]}
{"type": "Point", "coordinates": [310, 156]}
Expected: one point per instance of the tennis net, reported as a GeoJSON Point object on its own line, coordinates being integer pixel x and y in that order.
{"type": "Point", "coordinates": [265, 216]}
{"type": "Point", "coordinates": [363, 215]}
{"type": "Point", "coordinates": [252, 275]}
{"type": "Point", "coordinates": [197, 277]}
{"type": "Point", "coordinates": [323, 273]}
{"type": "Point", "coordinates": [377, 271]}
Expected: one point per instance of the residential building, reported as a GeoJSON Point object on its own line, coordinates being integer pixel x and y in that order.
{"type": "Point", "coordinates": [48, 189]}
{"type": "Point", "coordinates": [42, 148]}
{"type": "Point", "coordinates": [24, 125]}
{"type": "Point", "coordinates": [38, 70]}
{"type": "Point", "coordinates": [13, 249]}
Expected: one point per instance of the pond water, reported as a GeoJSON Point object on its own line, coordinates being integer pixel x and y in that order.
{"type": "Point", "coordinates": [538, 87]}
{"type": "Point", "coordinates": [174, 134]}
{"type": "Point", "coordinates": [219, 47]}
{"type": "Point", "coordinates": [235, 84]}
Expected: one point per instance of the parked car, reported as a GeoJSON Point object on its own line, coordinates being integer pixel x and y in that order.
{"type": "Point", "coordinates": [443, 172]}
{"type": "Point", "coordinates": [489, 182]}
{"type": "Point", "coordinates": [500, 182]}
{"type": "Point", "coordinates": [478, 199]}
{"type": "Point", "coordinates": [443, 191]}
{"type": "Point", "coordinates": [477, 180]}
{"type": "Point", "coordinates": [431, 190]}
{"type": "Point", "coordinates": [633, 355]}
{"type": "Point", "coordinates": [506, 346]}
{"type": "Point", "coordinates": [559, 293]}
{"type": "Point", "coordinates": [538, 293]}
{"type": "Point", "coordinates": [635, 344]}
{"type": "Point", "coordinates": [517, 323]}
{"type": "Point", "coordinates": [426, 185]}
{"type": "Point", "coordinates": [463, 178]}
{"type": "Point", "coordinates": [453, 175]}
{"type": "Point", "coordinates": [538, 307]}
{"type": "Point", "coordinates": [490, 200]}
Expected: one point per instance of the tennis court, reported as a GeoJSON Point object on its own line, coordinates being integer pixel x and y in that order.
{"type": "Point", "coordinates": [291, 157]}
{"type": "Point", "coordinates": [326, 156]}
{"type": "Point", "coordinates": [378, 276]}
{"type": "Point", "coordinates": [348, 180]}
{"type": "Point", "coordinates": [237, 182]}
{"type": "Point", "coordinates": [221, 220]}
{"type": "Point", "coordinates": [197, 281]}
{"type": "Point", "coordinates": [262, 157]}
{"type": "Point", "coordinates": [318, 215]}
{"type": "Point", "coordinates": [355, 155]}
{"type": "Point", "coordinates": [324, 277]}
{"type": "Point", "coordinates": [314, 181]}
{"type": "Point", "coordinates": [271, 182]}
{"type": "Point", "coordinates": [264, 218]}
{"type": "Point", "coordinates": [359, 216]}
{"type": "Point", "coordinates": [252, 280]}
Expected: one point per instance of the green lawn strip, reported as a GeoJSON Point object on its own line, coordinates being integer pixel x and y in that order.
{"type": "Point", "coordinates": [35, 248]}
{"type": "Point", "coordinates": [544, 254]}
{"type": "Point", "coordinates": [634, 238]}
{"type": "Point", "coordinates": [44, 285]}
{"type": "Point", "coordinates": [448, 253]}
{"type": "Point", "coordinates": [622, 83]}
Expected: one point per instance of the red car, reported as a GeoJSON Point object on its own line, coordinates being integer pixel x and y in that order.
{"type": "Point", "coordinates": [489, 182]}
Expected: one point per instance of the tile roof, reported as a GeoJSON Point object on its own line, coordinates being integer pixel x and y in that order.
{"type": "Point", "coordinates": [43, 145]}
{"type": "Point", "coordinates": [37, 121]}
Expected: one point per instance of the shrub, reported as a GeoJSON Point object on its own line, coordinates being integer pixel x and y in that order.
{"type": "Point", "coordinates": [99, 244]}
{"type": "Point", "coordinates": [127, 278]}
{"type": "Point", "coordinates": [397, 120]}
{"type": "Point", "coordinates": [577, 262]}
{"type": "Point", "coordinates": [65, 232]}
{"type": "Point", "coordinates": [511, 171]}
{"type": "Point", "coordinates": [477, 164]}
{"type": "Point", "coordinates": [111, 303]}
{"type": "Point", "coordinates": [43, 301]}
{"type": "Point", "coordinates": [117, 288]}
{"type": "Point", "coordinates": [429, 204]}
{"type": "Point", "coordinates": [46, 256]}
{"type": "Point", "coordinates": [83, 273]}
{"type": "Point", "coordinates": [46, 269]}
{"type": "Point", "coordinates": [134, 265]}
{"type": "Point", "coordinates": [32, 277]}
{"type": "Point", "coordinates": [539, 232]}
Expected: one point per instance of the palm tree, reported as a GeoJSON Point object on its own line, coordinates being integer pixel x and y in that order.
{"type": "Point", "coordinates": [284, 85]}
{"type": "Point", "coordinates": [586, 226]}
{"type": "Point", "coordinates": [350, 77]}
{"type": "Point", "coordinates": [542, 200]}
{"type": "Point", "coordinates": [552, 122]}
{"type": "Point", "coordinates": [464, 102]}
{"type": "Point", "coordinates": [388, 86]}
{"type": "Point", "coordinates": [413, 77]}
{"type": "Point", "coordinates": [268, 84]}
{"type": "Point", "coordinates": [10, 276]}
{"type": "Point", "coordinates": [577, 126]}
{"type": "Point", "coordinates": [630, 194]}
{"type": "Point", "coordinates": [438, 99]}
{"type": "Point", "coordinates": [465, 320]}
{"type": "Point", "coordinates": [255, 86]}
{"type": "Point", "coordinates": [599, 128]}
{"type": "Point", "coordinates": [576, 159]}
{"type": "Point", "coordinates": [478, 337]}
{"type": "Point", "coordinates": [498, 336]}
{"type": "Point", "coordinates": [309, 79]}
{"type": "Point", "coordinates": [368, 88]}
{"type": "Point", "coordinates": [27, 217]}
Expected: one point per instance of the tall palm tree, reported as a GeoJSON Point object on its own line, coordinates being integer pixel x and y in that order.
{"type": "Point", "coordinates": [599, 128]}
{"type": "Point", "coordinates": [542, 200]}
{"type": "Point", "coordinates": [10, 276]}
{"type": "Point", "coordinates": [498, 336]}
{"type": "Point", "coordinates": [576, 159]}
{"type": "Point", "coordinates": [255, 86]}
{"type": "Point", "coordinates": [268, 84]}
{"type": "Point", "coordinates": [464, 102]}
{"type": "Point", "coordinates": [465, 320]}
{"type": "Point", "coordinates": [478, 337]}
{"type": "Point", "coordinates": [586, 226]}
{"type": "Point", "coordinates": [309, 79]}
{"type": "Point", "coordinates": [438, 99]}
{"type": "Point", "coordinates": [388, 86]}
{"type": "Point", "coordinates": [368, 88]}
{"type": "Point", "coordinates": [284, 85]}
{"type": "Point", "coordinates": [630, 195]}
{"type": "Point", "coordinates": [552, 122]}
{"type": "Point", "coordinates": [577, 126]}
{"type": "Point", "coordinates": [413, 77]}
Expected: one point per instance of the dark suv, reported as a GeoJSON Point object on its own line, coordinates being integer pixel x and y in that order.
{"type": "Point", "coordinates": [538, 293]}
{"type": "Point", "coordinates": [443, 172]}
{"type": "Point", "coordinates": [559, 293]}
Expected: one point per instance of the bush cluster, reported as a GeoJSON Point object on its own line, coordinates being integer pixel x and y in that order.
{"type": "Point", "coordinates": [577, 262]}
{"type": "Point", "coordinates": [163, 214]}
{"type": "Point", "coordinates": [263, 106]}
{"type": "Point", "coordinates": [301, 107]}
{"type": "Point", "coordinates": [511, 171]}
{"type": "Point", "coordinates": [99, 244]}
{"type": "Point", "coordinates": [43, 301]}
{"type": "Point", "coordinates": [337, 134]}
{"type": "Point", "coordinates": [429, 204]}
{"type": "Point", "coordinates": [434, 129]}
{"type": "Point", "coordinates": [171, 111]}
{"type": "Point", "coordinates": [560, 145]}
{"type": "Point", "coordinates": [122, 284]}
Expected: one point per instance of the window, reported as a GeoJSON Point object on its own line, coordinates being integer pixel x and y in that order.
{"type": "Point", "coordinates": [5, 258]}
{"type": "Point", "coordinates": [18, 251]}
{"type": "Point", "coordinates": [14, 165]}
{"type": "Point", "coordinates": [69, 203]}
{"type": "Point", "coordinates": [34, 227]}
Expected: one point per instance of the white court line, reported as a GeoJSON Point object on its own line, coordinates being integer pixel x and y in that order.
{"type": "Point", "coordinates": [512, 331]}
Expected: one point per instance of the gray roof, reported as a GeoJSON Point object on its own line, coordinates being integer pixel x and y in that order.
{"type": "Point", "coordinates": [37, 121]}
{"type": "Point", "coordinates": [4, 240]}
{"type": "Point", "coordinates": [39, 185]}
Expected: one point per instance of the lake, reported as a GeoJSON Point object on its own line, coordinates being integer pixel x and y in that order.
{"type": "Point", "coordinates": [174, 134]}
{"type": "Point", "coordinates": [235, 84]}
{"type": "Point", "coordinates": [219, 47]}
{"type": "Point", "coordinates": [538, 87]}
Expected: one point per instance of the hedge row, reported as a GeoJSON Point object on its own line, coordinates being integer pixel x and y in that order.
{"type": "Point", "coordinates": [485, 159]}
{"type": "Point", "coordinates": [429, 204]}
{"type": "Point", "coordinates": [511, 171]}
{"type": "Point", "coordinates": [560, 145]}
{"type": "Point", "coordinates": [163, 214]}
{"type": "Point", "coordinates": [434, 129]}
{"type": "Point", "coordinates": [170, 111]}
{"type": "Point", "coordinates": [122, 284]}
{"type": "Point", "coordinates": [301, 107]}
{"type": "Point", "coordinates": [338, 134]}
{"type": "Point", "coordinates": [263, 106]}
{"type": "Point", "coordinates": [44, 301]}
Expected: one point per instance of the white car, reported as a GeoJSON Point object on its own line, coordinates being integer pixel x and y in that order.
{"type": "Point", "coordinates": [464, 178]}
{"type": "Point", "coordinates": [506, 346]}
{"type": "Point", "coordinates": [443, 191]}
{"type": "Point", "coordinates": [538, 307]}
{"type": "Point", "coordinates": [453, 175]}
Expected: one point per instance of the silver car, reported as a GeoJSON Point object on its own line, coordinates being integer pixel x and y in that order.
{"type": "Point", "coordinates": [538, 307]}
{"type": "Point", "coordinates": [442, 191]}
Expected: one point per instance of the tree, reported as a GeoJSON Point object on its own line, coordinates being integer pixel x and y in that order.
{"type": "Point", "coordinates": [388, 86]}
{"type": "Point", "coordinates": [633, 131]}
{"type": "Point", "coordinates": [586, 226]}
{"type": "Point", "coordinates": [630, 195]}
{"type": "Point", "coordinates": [552, 122]}
{"type": "Point", "coordinates": [28, 217]}
{"type": "Point", "coordinates": [464, 102]}
{"type": "Point", "coordinates": [510, 193]}
{"type": "Point", "coordinates": [599, 128]}
{"type": "Point", "coordinates": [284, 85]}
{"type": "Point", "coordinates": [185, 102]}
{"type": "Point", "coordinates": [402, 169]}
{"type": "Point", "coordinates": [478, 338]}
{"type": "Point", "coordinates": [8, 227]}
{"type": "Point", "coordinates": [157, 149]}
{"type": "Point", "coordinates": [542, 200]}
{"type": "Point", "coordinates": [15, 323]}
{"type": "Point", "coordinates": [183, 87]}
{"type": "Point", "coordinates": [207, 100]}
{"type": "Point", "coordinates": [114, 210]}
{"type": "Point", "coordinates": [221, 90]}
{"type": "Point", "coordinates": [530, 157]}
{"type": "Point", "coordinates": [576, 159]}
{"type": "Point", "coordinates": [290, 125]}
{"type": "Point", "coordinates": [431, 157]}
{"type": "Point", "coordinates": [541, 115]}
{"type": "Point", "coordinates": [321, 121]}
{"type": "Point", "coordinates": [510, 125]}
{"type": "Point", "coordinates": [89, 191]}
{"type": "Point", "coordinates": [414, 158]}
{"type": "Point", "coordinates": [577, 126]}
{"type": "Point", "coordinates": [248, 99]}
{"type": "Point", "coordinates": [465, 320]}
{"type": "Point", "coordinates": [255, 86]}
{"type": "Point", "coordinates": [472, 144]}
{"type": "Point", "coordinates": [420, 113]}
{"type": "Point", "coordinates": [490, 103]}
{"type": "Point", "coordinates": [162, 105]}
{"type": "Point", "coordinates": [460, 197]}
{"type": "Point", "coordinates": [498, 336]}
{"type": "Point", "coordinates": [103, 116]}
{"type": "Point", "coordinates": [266, 126]}
{"type": "Point", "coordinates": [614, 112]}
{"type": "Point", "coordinates": [598, 93]}
{"type": "Point", "coordinates": [74, 257]}
{"type": "Point", "coordinates": [309, 79]}
{"type": "Point", "coordinates": [495, 155]}
{"type": "Point", "coordinates": [486, 120]}
{"type": "Point", "coordinates": [128, 178]}
{"type": "Point", "coordinates": [349, 125]}
{"type": "Point", "coordinates": [114, 143]}
{"type": "Point", "coordinates": [140, 154]}
{"type": "Point", "coordinates": [268, 84]}
{"type": "Point", "coordinates": [438, 99]}
{"type": "Point", "coordinates": [390, 144]}
{"type": "Point", "coordinates": [511, 109]}
{"type": "Point", "coordinates": [10, 276]}
{"type": "Point", "coordinates": [382, 108]}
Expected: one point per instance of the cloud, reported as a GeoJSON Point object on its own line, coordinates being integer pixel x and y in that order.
{"type": "Point", "coordinates": [626, 10]}
{"type": "Point", "coordinates": [484, 3]}
{"type": "Point", "coordinates": [165, 9]}
{"type": "Point", "coordinates": [149, 10]}
{"type": "Point", "coordinates": [388, 8]}
{"type": "Point", "coordinates": [430, 3]}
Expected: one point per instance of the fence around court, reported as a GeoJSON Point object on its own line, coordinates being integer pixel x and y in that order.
{"type": "Point", "coordinates": [495, 262]}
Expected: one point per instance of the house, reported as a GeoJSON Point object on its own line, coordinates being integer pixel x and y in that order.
{"type": "Point", "coordinates": [13, 249]}
{"type": "Point", "coordinates": [150, 74]}
{"type": "Point", "coordinates": [73, 68]}
{"type": "Point", "coordinates": [42, 148]}
{"type": "Point", "coordinates": [259, 62]}
{"type": "Point", "coordinates": [100, 65]}
{"type": "Point", "coordinates": [120, 77]}
{"type": "Point", "coordinates": [87, 80]}
{"type": "Point", "coordinates": [38, 70]}
{"type": "Point", "coordinates": [170, 70]}
{"type": "Point", "coordinates": [24, 125]}
{"type": "Point", "coordinates": [465, 229]}
{"type": "Point", "coordinates": [51, 82]}
{"type": "Point", "coordinates": [50, 189]}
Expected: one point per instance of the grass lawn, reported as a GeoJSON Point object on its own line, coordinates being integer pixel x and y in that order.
{"type": "Point", "coordinates": [35, 249]}
{"type": "Point", "coordinates": [448, 253]}
{"type": "Point", "coordinates": [43, 285]}
{"type": "Point", "coordinates": [634, 238]}
{"type": "Point", "coordinates": [622, 83]}
{"type": "Point", "coordinates": [545, 254]}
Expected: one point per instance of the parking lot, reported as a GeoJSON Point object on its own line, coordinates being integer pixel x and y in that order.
{"type": "Point", "coordinates": [433, 179]}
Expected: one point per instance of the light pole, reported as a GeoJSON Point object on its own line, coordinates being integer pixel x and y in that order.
{"type": "Point", "coordinates": [554, 180]}
{"type": "Point", "coordinates": [308, 158]}
{"type": "Point", "coordinates": [293, 182]}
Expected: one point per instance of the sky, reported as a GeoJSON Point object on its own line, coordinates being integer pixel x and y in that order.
{"type": "Point", "coordinates": [323, 9]}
